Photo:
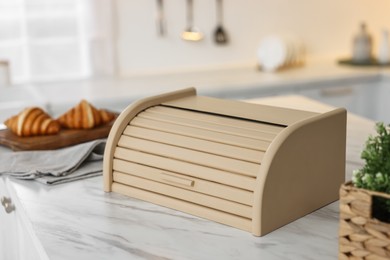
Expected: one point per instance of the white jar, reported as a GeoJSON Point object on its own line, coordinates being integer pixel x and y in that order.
{"type": "Point", "coordinates": [384, 51]}
{"type": "Point", "coordinates": [362, 46]}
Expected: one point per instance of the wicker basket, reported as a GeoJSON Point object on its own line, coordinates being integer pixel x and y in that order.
{"type": "Point", "coordinates": [360, 235]}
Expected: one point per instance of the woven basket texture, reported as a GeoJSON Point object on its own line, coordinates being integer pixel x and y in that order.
{"type": "Point", "coordinates": [360, 235]}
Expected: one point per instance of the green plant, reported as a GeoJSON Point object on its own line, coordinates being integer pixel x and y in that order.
{"type": "Point", "coordinates": [375, 174]}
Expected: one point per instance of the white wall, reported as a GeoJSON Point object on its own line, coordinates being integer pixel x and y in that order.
{"type": "Point", "coordinates": [326, 28]}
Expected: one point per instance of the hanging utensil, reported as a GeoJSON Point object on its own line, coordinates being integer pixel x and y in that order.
{"type": "Point", "coordinates": [191, 33]}
{"type": "Point", "coordinates": [160, 19]}
{"type": "Point", "coordinates": [220, 35]}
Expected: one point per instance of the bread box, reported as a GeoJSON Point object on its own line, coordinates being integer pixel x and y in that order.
{"type": "Point", "coordinates": [253, 167]}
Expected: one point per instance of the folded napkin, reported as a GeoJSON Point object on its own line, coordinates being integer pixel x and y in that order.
{"type": "Point", "coordinates": [55, 166]}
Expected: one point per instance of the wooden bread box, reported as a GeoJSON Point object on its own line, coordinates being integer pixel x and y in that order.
{"type": "Point", "coordinates": [250, 166]}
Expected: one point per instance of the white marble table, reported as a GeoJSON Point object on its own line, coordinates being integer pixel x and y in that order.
{"type": "Point", "coordinates": [79, 221]}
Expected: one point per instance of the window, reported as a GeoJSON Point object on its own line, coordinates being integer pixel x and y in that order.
{"type": "Point", "coordinates": [49, 40]}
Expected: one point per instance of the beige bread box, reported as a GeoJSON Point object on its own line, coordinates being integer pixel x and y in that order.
{"type": "Point", "coordinates": [253, 167]}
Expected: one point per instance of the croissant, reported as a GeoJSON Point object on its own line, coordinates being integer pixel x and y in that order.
{"type": "Point", "coordinates": [32, 121]}
{"type": "Point", "coordinates": [85, 116]}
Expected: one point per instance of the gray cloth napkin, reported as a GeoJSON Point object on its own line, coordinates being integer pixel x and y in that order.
{"type": "Point", "coordinates": [55, 166]}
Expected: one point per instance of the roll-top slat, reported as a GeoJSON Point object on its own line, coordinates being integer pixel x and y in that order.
{"type": "Point", "coordinates": [196, 144]}
{"type": "Point", "coordinates": [199, 185]}
{"type": "Point", "coordinates": [208, 126]}
{"type": "Point", "coordinates": [201, 134]}
{"type": "Point", "coordinates": [186, 195]}
{"type": "Point", "coordinates": [191, 156]}
{"type": "Point", "coordinates": [185, 168]}
{"type": "Point", "coordinates": [215, 119]}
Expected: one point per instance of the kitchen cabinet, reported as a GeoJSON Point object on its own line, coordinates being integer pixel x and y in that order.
{"type": "Point", "coordinates": [359, 99]}
{"type": "Point", "coordinates": [382, 104]}
{"type": "Point", "coordinates": [17, 240]}
{"type": "Point", "coordinates": [8, 234]}
{"type": "Point", "coordinates": [367, 99]}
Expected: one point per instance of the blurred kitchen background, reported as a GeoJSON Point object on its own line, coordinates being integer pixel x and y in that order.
{"type": "Point", "coordinates": [55, 52]}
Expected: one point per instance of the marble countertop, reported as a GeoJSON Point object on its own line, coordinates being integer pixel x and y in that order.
{"type": "Point", "coordinates": [79, 221]}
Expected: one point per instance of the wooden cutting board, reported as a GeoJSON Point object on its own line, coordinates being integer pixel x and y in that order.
{"type": "Point", "coordinates": [64, 138]}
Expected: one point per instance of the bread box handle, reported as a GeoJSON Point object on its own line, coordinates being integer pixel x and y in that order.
{"type": "Point", "coordinates": [176, 180]}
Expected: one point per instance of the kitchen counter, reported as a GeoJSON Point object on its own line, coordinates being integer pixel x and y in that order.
{"type": "Point", "coordinates": [79, 221]}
